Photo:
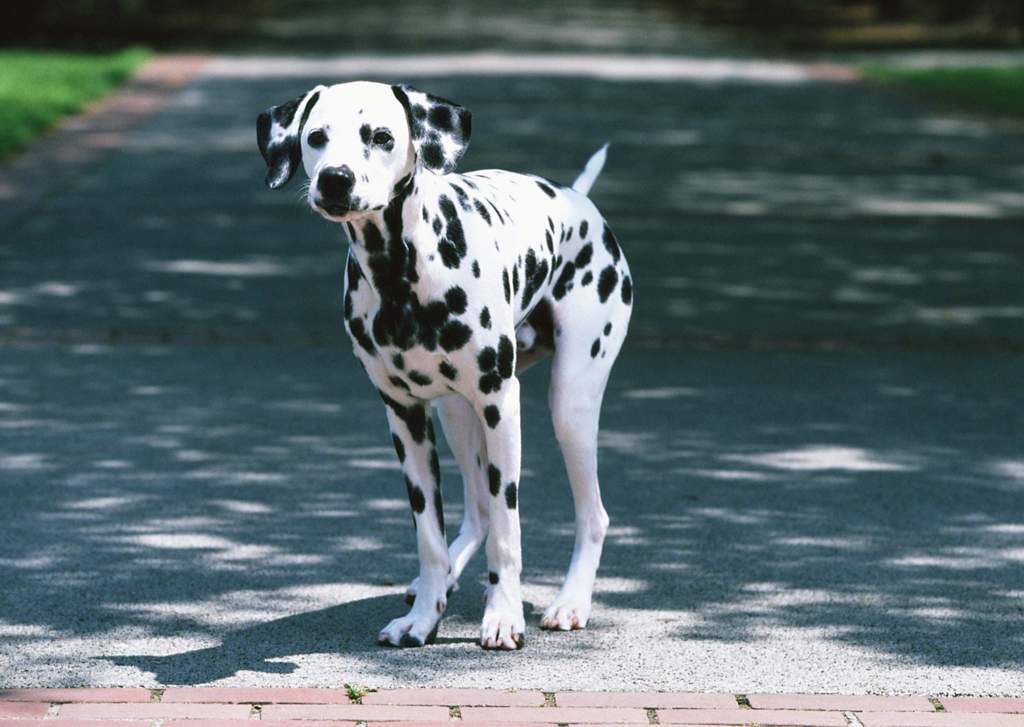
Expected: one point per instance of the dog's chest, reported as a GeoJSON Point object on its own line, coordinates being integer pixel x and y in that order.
{"type": "Point", "coordinates": [414, 343]}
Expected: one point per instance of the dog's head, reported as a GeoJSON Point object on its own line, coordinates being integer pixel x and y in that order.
{"type": "Point", "coordinates": [360, 143]}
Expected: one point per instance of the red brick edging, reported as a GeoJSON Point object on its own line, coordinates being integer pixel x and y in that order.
{"type": "Point", "coordinates": [209, 706]}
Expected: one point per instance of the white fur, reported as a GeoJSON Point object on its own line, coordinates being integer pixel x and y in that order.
{"type": "Point", "coordinates": [458, 239]}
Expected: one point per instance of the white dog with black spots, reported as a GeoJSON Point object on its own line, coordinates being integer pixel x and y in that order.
{"type": "Point", "coordinates": [455, 283]}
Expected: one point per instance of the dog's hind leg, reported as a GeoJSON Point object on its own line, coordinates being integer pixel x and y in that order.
{"type": "Point", "coordinates": [585, 349]}
{"type": "Point", "coordinates": [466, 439]}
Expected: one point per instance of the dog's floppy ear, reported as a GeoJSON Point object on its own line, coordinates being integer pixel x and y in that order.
{"type": "Point", "coordinates": [439, 128]}
{"type": "Point", "coordinates": [277, 133]}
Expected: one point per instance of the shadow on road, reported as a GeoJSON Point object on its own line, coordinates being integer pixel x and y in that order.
{"type": "Point", "coordinates": [258, 515]}
{"type": "Point", "coordinates": [198, 484]}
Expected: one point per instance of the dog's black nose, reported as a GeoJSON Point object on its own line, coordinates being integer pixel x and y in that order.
{"type": "Point", "coordinates": [335, 183]}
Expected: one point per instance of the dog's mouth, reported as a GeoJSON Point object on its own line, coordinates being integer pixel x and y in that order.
{"type": "Point", "coordinates": [336, 210]}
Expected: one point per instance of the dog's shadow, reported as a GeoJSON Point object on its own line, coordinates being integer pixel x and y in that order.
{"type": "Point", "coordinates": [350, 629]}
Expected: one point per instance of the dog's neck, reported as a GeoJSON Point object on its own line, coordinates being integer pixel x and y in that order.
{"type": "Point", "coordinates": [387, 246]}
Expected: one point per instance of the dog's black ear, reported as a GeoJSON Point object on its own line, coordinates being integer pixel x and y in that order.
{"type": "Point", "coordinates": [439, 128]}
{"type": "Point", "coordinates": [277, 132]}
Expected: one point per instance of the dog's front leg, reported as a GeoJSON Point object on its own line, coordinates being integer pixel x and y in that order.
{"type": "Point", "coordinates": [413, 434]}
{"type": "Point", "coordinates": [466, 438]}
{"type": "Point", "coordinates": [503, 625]}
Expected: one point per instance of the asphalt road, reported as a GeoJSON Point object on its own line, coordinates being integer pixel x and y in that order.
{"type": "Point", "coordinates": [811, 445]}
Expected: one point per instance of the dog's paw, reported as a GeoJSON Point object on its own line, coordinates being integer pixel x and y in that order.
{"type": "Point", "coordinates": [504, 627]}
{"type": "Point", "coordinates": [566, 614]}
{"type": "Point", "coordinates": [410, 592]}
{"type": "Point", "coordinates": [410, 631]}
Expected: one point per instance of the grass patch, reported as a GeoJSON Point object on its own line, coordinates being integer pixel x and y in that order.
{"type": "Point", "coordinates": [356, 692]}
{"type": "Point", "coordinates": [38, 88]}
{"type": "Point", "coordinates": [992, 90]}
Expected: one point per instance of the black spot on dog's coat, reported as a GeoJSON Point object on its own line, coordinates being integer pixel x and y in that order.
{"type": "Point", "coordinates": [373, 240]}
{"type": "Point", "coordinates": [584, 228]}
{"type": "Point", "coordinates": [506, 357]}
{"type": "Point", "coordinates": [492, 578]}
{"type": "Point", "coordinates": [454, 335]}
{"type": "Point", "coordinates": [358, 330]}
{"type": "Point", "coordinates": [439, 508]}
{"type": "Point", "coordinates": [494, 479]}
{"type": "Point", "coordinates": [416, 499]}
{"type": "Point", "coordinates": [433, 154]}
{"type": "Point", "coordinates": [584, 255]}
{"type": "Point", "coordinates": [610, 243]}
{"type": "Point", "coordinates": [564, 282]}
{"type": "Point", "coordinates": [490, 382]}
{"type": "Point", "coordinates": [399, 447]}
{"type": "Point", "coordinates": [482, 211]}
{"type": "Point", "coordinates": [449, 254]}
{"type": "Point", "coordinates": [415, 417]}
{"type": "Point", "coordinates": [485, 318]}
{"type": "Point", "coordinates": [440, 117]}
{"type": "Point", "coordinates": [627, 290]}
{"type": "Point", "coordinates": [448, 371]}
{"type": "Point", "coordinates": [487, 359]}
{"type": "Point", "coordinates": [607, 282]}
{"type": "Point", "coordinates": [435, 467]}
{"type": "Point", "coordinates": [492, 415]}
{"type": "Point", "coordinates": [419, 378]}
{"type": "Point", "coordinates": [596, 348]}
{"type": "Point", "coordinates": [456, 299]}
{"type": "Point", "coordinates": [511, 495]}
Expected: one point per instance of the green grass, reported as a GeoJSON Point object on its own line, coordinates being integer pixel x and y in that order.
{"type": "Point", "coordinates": [993, 90]}
{"type": "Point", "coordinates": [38, 88]}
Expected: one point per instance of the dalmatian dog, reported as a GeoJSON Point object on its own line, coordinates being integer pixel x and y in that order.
{"type": "Point", "coordinates": [454, 284]}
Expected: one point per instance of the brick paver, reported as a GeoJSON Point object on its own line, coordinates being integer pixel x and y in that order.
{"type": "Point", "coordinates": [451, 697]}
{"type": "Point", "coordinates": [75, 695]}
{"type": "Point", "coordinates": [86, 723]}
{"type": "Point", "coordinates": [354, 711]}
{"type": "Point", "coordinates": [939, 719]}
{"type": "Point", "coordinates": [982, 704]}
{"type": "Point", "coordinates": [687, 700]}
{"type": "Point", "coordinates": [23, 709]}
{"type": "Point", "coordinates": [154, 711]}
{"type": "Point", "coordinates": [790, 718]}
{"type": "Point", "coordinates": [855, 703]}
{"type": "Point", "coordinates": [502, 715]}
{"type": "Point", "coordinates": [332, 707]}
{"type": "Point", "coordinates": [257, 696]}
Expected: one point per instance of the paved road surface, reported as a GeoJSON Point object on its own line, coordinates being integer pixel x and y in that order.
{"type": "Point", "coordinates": [812, 445]}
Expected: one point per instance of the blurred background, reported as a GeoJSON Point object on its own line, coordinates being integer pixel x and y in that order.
{"type": "Point", "coordinates": [810, 444]}
{"type": "Point", "coordinates": [463, 25]}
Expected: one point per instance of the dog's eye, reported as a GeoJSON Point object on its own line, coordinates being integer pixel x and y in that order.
{"type": "Point", "coordinates": [317, 138]}
{"type": "Point", "coordinates": [382, 138]}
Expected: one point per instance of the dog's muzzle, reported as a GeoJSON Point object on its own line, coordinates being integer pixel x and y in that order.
{"type": "Point", "coordinates": [334, 190]}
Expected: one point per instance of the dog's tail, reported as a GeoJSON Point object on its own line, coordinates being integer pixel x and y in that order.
{"type": "Point", "coordinates": [589, 174]}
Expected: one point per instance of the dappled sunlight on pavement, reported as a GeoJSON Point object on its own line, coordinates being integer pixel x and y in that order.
{"type": "Point", "coordinates": [810, 449]}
